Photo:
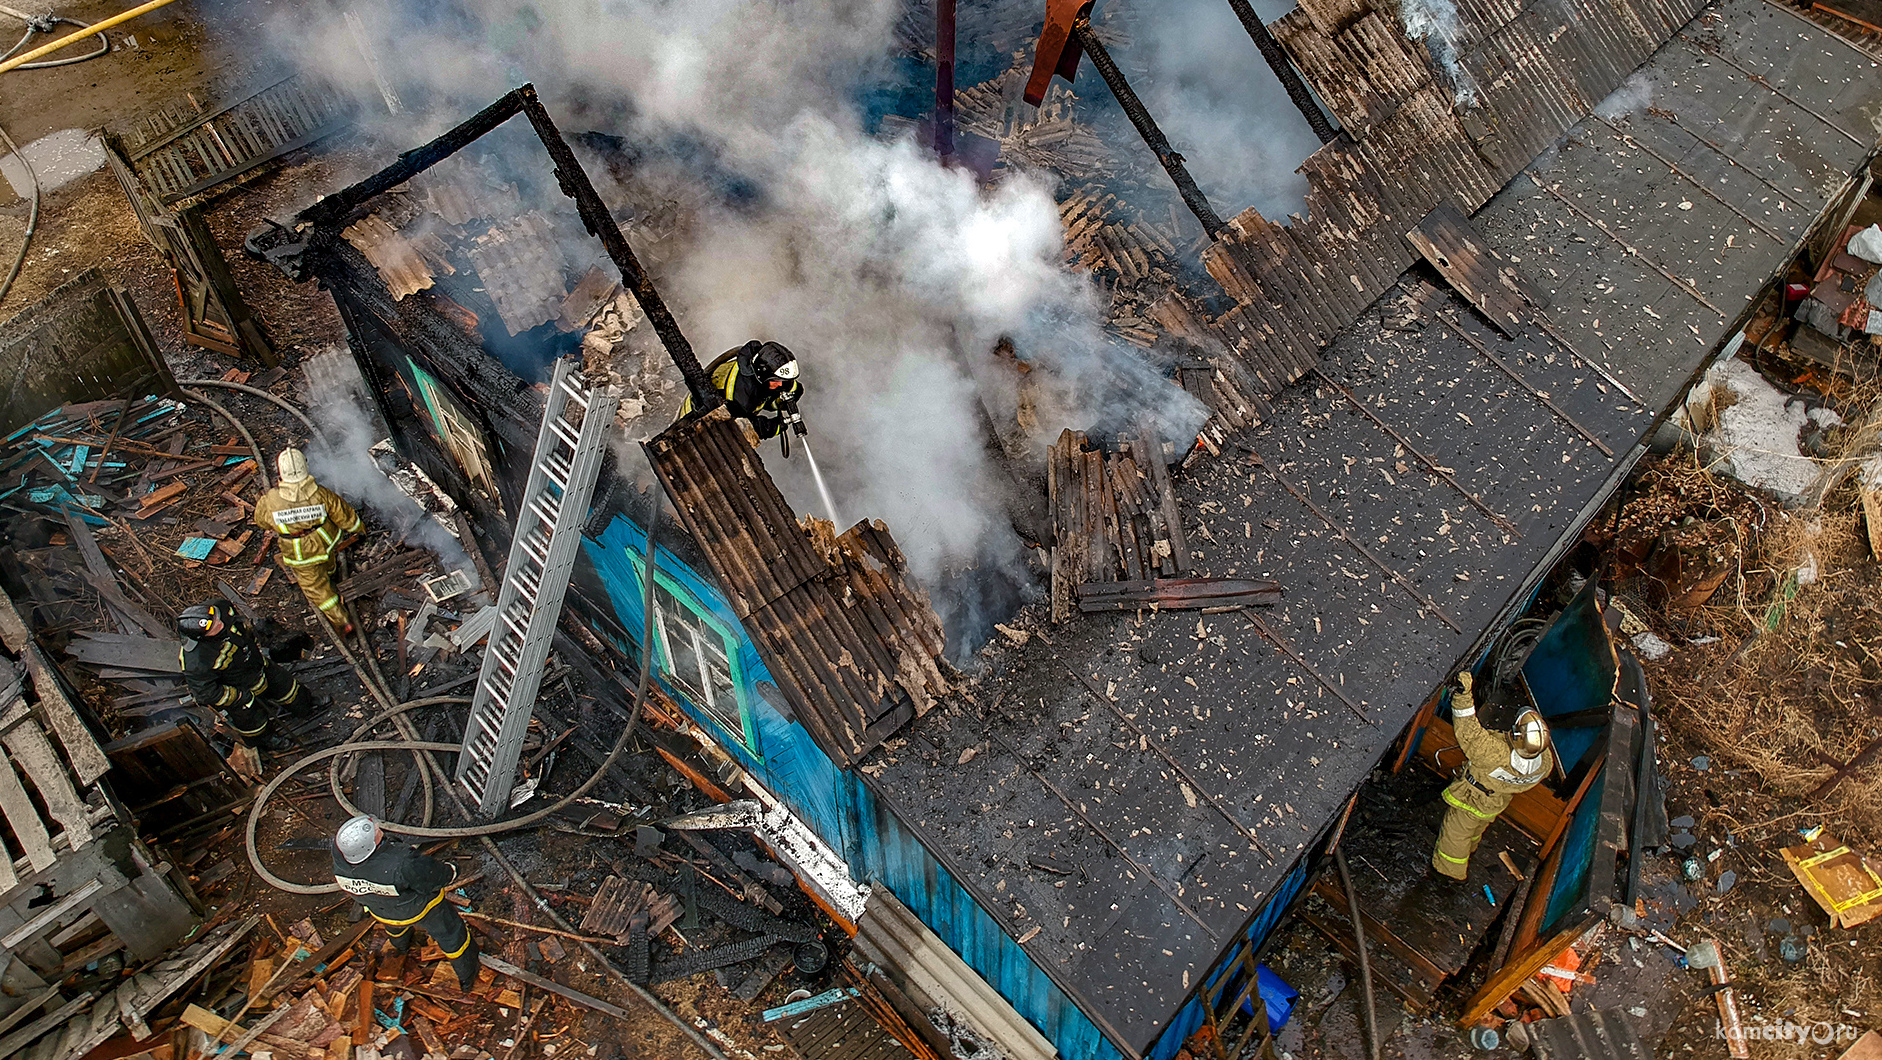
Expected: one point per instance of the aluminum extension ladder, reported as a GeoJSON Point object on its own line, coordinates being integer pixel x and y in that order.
{"type": "Point", "coordinates": [542, 555]}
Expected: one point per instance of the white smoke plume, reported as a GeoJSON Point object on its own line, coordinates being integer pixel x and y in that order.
{"type": "Point", "coordinates": [339, 456]}
{"type": "Point", "coordinates": [1435, 23]}
{"type": "Point", "coordinates": [891, 277]}
{"type": "Point", "coordinates": [1634, 94]}
{"type": "Point", "coordinates": [1216, 100]}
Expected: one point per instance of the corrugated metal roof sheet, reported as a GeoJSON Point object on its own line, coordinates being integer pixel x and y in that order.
{"type": "Point", "coordinates": [1602, 1035]}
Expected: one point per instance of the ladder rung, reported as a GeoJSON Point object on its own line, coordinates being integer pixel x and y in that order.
{"type": "Point", "coordinates": [560, 427]}
{"type": "Point", "coordinates": [575, 393]}
{"type": "Point", "coordinates": [557, 471]}
{"type": "Point", "coordinates": [548, 508]}
{"type": "Point", "coordinates": [539, 552]}
{"type": "Point", "coordinates": [527, 584]}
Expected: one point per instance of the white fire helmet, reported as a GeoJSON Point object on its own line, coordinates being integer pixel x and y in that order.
{"type": "Point", "coordinates": [1530, 734]}
{"type": "Point", "coordinates": [357, 839]}
{"type": "Point", "coordinates": [292, 463]}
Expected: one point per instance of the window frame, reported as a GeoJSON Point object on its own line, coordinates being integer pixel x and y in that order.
{"type": "Point", "coordinates": [728, 641]}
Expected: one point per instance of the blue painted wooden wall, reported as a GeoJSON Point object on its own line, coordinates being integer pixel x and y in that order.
{"type": "Point", "coordinates": [879, 847]}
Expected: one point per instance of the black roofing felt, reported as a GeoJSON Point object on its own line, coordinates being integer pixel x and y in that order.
{"type": "Point", "coordinates": [1273, 746]}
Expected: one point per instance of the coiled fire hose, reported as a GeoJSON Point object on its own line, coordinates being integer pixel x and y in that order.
{"type": "Point", "coordinates": [421, 749]}
{"type": "Point", "coordinates": [45, 24]}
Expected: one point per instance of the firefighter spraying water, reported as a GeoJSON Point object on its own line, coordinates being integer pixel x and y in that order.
{"type": "Point", "coordinates": [759, 381]}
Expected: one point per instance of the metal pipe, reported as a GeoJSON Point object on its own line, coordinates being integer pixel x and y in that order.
{"type": "Point", "coordinates": [1193, 197]}
{"type": "Point", "coordinates": [84, 34]}
{"type": "Point", "coordinates": [1278, 61]}
{"type": "Point", "coordinates": [1365, 963]}
{"type": "Point", "coordinates": [944, 79]}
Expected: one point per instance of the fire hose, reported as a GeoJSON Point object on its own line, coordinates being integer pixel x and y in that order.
{"type": "Point", "coordinates": [421, 750]}
{"type": "Point", "coordinates": [45, 24]}
{"type": "Point", "coordinates": [394, 712]}
{"type": "Point", "coordinates": [32, 217]}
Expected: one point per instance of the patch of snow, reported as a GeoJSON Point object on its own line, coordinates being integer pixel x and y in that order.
{"type": "Point", "coordinates": [57, 158]}
{"type": "Point", "coordinates": [1650, 645]}
{"type": "Point", "coordinates": [1749, 429]}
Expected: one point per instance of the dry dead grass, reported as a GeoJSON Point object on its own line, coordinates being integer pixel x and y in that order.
{"type": "Point", "coordinates": [1793, 683]}
{"type": "Point", "coordinates": [1805, 687]}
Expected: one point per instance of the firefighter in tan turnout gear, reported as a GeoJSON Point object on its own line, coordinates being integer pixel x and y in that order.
{"type": "Point", "coordinates": [1496, 770]}
{"type": "Point", "coordinates": [312, 523]}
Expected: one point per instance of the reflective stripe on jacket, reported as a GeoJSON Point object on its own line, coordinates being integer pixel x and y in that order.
{"type": "Point", "coordinates": [1494, 773]}
{"type": "Point", "coordinates": [395, 883]}
{"type": "Point", "coordinates": [226, 669]}
{"type": "Point", "coordinates": [308, 518]}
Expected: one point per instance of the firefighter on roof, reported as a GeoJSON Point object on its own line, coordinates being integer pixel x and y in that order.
{"type": "Point", "coordinates": [228, 670]}
{"type": "Point", "coordinates": [313, 523]}
{"type": "Point", "coordinates": [759, 382]}
{"type": "Point", "coordinates": [1496, 770]}
{"type": "Point", "coordinates": [403, 890]}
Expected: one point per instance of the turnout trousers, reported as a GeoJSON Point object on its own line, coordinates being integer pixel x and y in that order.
{"type": "Point", "coordinates": [277, 690]}
{"type": "Point", "coordinates": [446, 928]}
{"type": "Point", "coordinates": [1467, 816]}
{"type": "Point", "coordinates": [316, 582]}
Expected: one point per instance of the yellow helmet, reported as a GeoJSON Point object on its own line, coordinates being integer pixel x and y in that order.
{"type": "Point", "coordinates": [292, 463]}
{"type": "Point", "coordinates": [1530, 735]}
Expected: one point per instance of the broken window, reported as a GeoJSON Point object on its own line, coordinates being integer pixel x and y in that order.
{"type": "Point", "coordinates": [698, 656]}
{"type": "Point", "coordinates": [459, 433]}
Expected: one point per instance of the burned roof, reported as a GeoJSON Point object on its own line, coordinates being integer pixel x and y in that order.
{"type": "Point", "coordinates": [1650, 229]}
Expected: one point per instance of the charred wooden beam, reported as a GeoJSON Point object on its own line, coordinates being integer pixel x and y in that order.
{"type": "Point", "coordinates": [319, 226]}
{"type": "Point", "coordinates": [1297, 89]}
{"type": "Point", "coordinates": [944, 79]}
{"type": "Point", "coordinates": [576, 185]}
{"type": "Point", "coordinates": [1154, 139]}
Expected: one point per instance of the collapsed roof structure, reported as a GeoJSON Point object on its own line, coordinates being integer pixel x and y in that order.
{"type": "Point", "coordinates": [1115, 817]}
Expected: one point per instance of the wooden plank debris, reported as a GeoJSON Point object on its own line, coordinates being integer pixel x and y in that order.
{"type": "Point", "coordinates": [1178, 594]}
{"type": "Point", "coordinates": [1114, 516]}
{"type": "Point", "coordinates": [504, 967]}
{"type": "Point", "coordinates": [1864, 13]}
{"type": "Point", "coordinates": [1466, 260]}
{"type": "Point", "coordinates": [124, 651]}
{"type": "Point", "coordinates": [619, 900]}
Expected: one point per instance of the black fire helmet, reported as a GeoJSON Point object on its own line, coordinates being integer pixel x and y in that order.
{"type": "Point", "coordinates": [197, 621]}
{"type": "Point", "coordinates": [775, 361]}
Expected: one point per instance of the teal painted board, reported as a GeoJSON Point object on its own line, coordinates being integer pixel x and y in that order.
{"type": "Point", "coordinates": [895, 857]}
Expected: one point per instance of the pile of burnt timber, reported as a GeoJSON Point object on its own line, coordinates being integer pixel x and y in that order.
{"type": "Point", "coordinates": [301, 997]}
{"type": "Point", "coordinates": [854, 646]}
{"type": "Point", "coordinates": [1114, 516]}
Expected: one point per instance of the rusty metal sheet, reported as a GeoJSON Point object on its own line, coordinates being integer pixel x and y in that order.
{"type": "Point", "coordinates": [400, 265]}
{"type": "Point", "coordinates": [521, 264]}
